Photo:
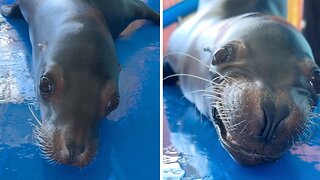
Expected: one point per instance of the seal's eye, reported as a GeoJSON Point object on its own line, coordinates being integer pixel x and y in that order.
{"type": "Point", "coordinates": [223, 55]}
{"type": "Point", "coordinates": [46, 86]}
{"type": "Point", "coordinates": [315, 81]}
{"type": "Point", "coordinates": [113, 104]}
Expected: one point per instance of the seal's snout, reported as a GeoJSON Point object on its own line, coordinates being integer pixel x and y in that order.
{"type": "Point", "coordinates": [258, 123]}
{"type": "Point", "coordinates": [73, 151]}
{"type": "Point", "coordinates": [66, 145]}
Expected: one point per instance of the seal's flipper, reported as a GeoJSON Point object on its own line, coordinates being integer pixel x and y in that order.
{"type": "Point", "coordinates": [12, 10]}
{"type": "Point", "coordinates": [144, 12]}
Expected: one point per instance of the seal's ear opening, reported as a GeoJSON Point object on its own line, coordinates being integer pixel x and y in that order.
{"type": "Point", "coordinates": [113, 104]}
{"type": "Point", "coordinates": [110, 97]}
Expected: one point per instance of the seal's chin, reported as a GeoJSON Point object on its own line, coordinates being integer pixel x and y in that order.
{"type": "Point", "coordinates": [245, 157]}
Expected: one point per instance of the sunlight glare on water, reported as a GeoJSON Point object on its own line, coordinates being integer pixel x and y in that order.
{"type": "Point", "coordinates": [16, 84]}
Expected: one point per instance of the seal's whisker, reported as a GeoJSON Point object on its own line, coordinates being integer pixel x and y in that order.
{"type": "Point", "coordinates": [187, 55]}
{"type": "Point", "coordinates": [39, 140]}
{"type": "Point", "coordinates": [293, 141]}
{"type": "Point", "coordinates": [54, 163]}
{"type": "Point", "coordinates": [215, 98]}
{"type": "Point", "coordinates": [223, 115]}
{"type": "Point", "coordinates": [230, 109]}
{"type": "Point", "coordinates": [244, 128]}
{"type": "Point", "coordinates": [299, 139]}
{"type": "Point", "coordinates": [313, 117]}
{"type": "Point", "coordinates": [38, 144]}
{"type": "Point", "coordinates": [219, 75]}
{"type": "Point", "coordinates": [312, 122]}
{"type": "Point", "coordinates": [229, 129]}
{"type": "Point", "coordinates": [224, 119]}
{"type": "Point", "coordinates": [212, 93]}
{"type": "Point", "coordinates": [33, 125]}
{"type": "Point", "coordinates": [204, 91]}
{"type": "Point", "coordinates": [197, 60]}
{"type": "Point", "coordinates": [187, 75]}
{"type": "Point", "coordinates": [216, 88]}
{"type": "Point", "coordinates": [218, 104]}
{"type": "Point", "coordinates": [231, 78]}
{"type": "Point", "coordinates": [307, 131]}
{"type": "Point", "coordinates": [38, 135]}
{"type": "Point", "coordinates": [44, 147]}
{"type": "Point", "coordinates": [33, 114]}
{"type": "Point", "coordinates": [212, 96]}
{"type": "Point", "coordinates": [237, 124]}
{"type": "Point", "coordinates": [216, 78]}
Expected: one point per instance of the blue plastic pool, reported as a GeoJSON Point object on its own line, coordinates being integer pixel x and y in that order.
{"type": "Point", "coordinates": [129, 147]}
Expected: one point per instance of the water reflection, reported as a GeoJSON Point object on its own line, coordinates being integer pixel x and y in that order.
{"type": "Point", "coordinates": [16, 84]}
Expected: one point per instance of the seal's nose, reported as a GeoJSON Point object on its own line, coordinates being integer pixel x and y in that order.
{"type": "Point", "coordinates": [274, 115]}
{"type": "Point", "coordinates": [74, 151]}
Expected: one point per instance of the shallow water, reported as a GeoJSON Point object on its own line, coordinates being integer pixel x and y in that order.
{"type": "Point", "coordinates": [125, 150]}
{"type": "Point", "coordinates": [192, 149]}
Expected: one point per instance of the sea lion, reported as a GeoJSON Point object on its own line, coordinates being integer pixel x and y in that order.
{"type": "Point", "coordinates": [76, 69]}
{"type": "Point", "coordinates": [252, 74]}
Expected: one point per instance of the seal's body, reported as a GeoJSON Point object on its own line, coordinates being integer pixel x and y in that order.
{"type": "Point", "coordinates": [76, 68]}
{"type": "Point", "coordinates": [253, 75]}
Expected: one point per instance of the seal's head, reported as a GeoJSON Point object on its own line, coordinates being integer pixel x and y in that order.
{"type": "Point", "coordinates": [264, 88]}
{"type": "Point", "coordinates": [77, 87]}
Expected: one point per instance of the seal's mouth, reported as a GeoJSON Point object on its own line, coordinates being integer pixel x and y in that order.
{"type": "Point", "coordinates": [239, 154]}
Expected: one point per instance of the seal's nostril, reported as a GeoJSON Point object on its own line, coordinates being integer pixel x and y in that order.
{"type": "Point", "coordinates": [266, 129]}
{"type": "Point", "coordinates": [273, 117]}
{"type": "Point", "coordinates": [74, 151]}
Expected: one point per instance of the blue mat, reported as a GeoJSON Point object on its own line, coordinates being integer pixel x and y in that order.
{"type": "Point", "coordinates": [192, 150]}
{"type": "Point", "coordinates": [129, 139]}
